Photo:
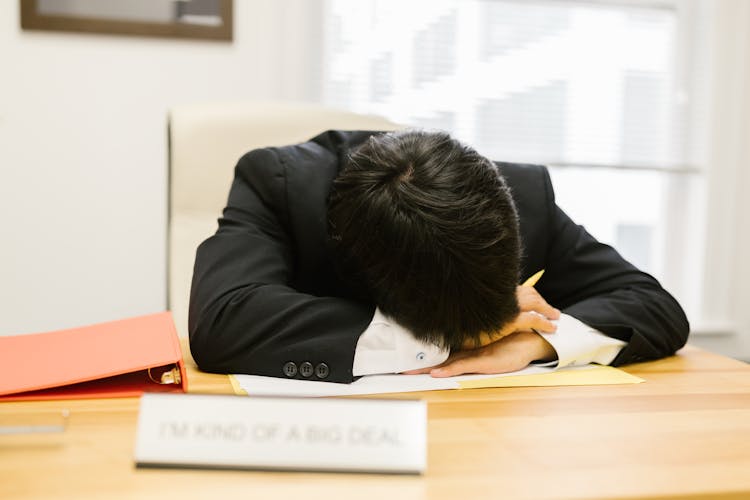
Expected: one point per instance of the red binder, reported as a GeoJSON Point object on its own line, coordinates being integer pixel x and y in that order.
{"type": "Point", "coordinates": [115, 359]}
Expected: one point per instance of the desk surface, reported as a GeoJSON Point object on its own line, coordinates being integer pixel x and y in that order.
{"type": "Point", "coordinates": [683, 433]}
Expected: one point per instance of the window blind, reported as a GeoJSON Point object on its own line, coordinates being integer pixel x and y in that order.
{"type": "Point", "coordinates": [554, 82]}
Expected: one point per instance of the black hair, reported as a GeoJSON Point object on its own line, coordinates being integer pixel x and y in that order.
{"type": "Point", "coordinates": [428, 225]}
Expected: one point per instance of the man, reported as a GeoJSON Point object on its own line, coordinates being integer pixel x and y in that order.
{"type": "Point", "coordinates": [359, 253]}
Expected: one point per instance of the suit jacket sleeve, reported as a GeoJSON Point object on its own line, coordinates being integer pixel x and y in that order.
{"type": "Point", "coordinates": [245, 317]}
{"type": "Point", "coordinates": [592, 282]}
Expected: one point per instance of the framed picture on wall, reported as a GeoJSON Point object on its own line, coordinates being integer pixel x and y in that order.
{"type": "Point", "coordinates": [195, 19]}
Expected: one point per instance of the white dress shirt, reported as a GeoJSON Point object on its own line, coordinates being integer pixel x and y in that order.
{"type": "Point", "coordinates": [387, 347]}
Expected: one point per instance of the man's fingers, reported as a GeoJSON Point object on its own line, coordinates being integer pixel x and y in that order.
{"type": "Point", "coordinates": [474, 361]}
{"type": "Point", "coordinates": [509, 354]}
{"type": "Point", "coordinates": [530, 300]}
{"type": "Point", "coordinates": [482, 361]}
{"type": "Point", "coordinates": [525, 321]}
{"type": "Point", "coordinates": [458, 367]}
{"type": "Point", "coordinates": [536, 314]}
{"type": "Point", "coordinates": [534, 321]}
{"type": "Point", "coordinates": [547, 310]}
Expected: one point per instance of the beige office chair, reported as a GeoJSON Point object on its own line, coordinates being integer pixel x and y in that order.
{"type": "Point", "coordinates": [205, 142]}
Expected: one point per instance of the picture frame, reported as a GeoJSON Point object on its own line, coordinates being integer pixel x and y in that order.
{"type": "Point", "coordinates": [185, 19]}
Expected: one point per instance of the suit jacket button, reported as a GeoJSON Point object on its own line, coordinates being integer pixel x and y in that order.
{"type": "Point", "coordinates": [290, 369]}
{"type": "Point", "coordinates": [306, 369]}
{"type": "Point", "coordinates": [321, 371]}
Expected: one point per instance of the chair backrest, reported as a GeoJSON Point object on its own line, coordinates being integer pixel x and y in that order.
{"type": "Point", "coordinates": [205, 142]}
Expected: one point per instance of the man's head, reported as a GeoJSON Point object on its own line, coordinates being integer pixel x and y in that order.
{"type": "Point", "coordinates": [429, 226]}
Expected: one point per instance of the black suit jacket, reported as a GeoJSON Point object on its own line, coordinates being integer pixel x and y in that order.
{"type": "Point", "coordinates": [265, 291]}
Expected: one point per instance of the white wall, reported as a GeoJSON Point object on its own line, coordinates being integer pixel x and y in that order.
{"type": "Point", "coordinates": [83, 159]}
{"type": "Point", "coordinates": [83, 153]}
{"type": "Point", "coordinates": [726, 305]}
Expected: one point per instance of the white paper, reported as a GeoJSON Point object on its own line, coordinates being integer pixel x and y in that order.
{"type": "Point", "coordinates": [255, 385]}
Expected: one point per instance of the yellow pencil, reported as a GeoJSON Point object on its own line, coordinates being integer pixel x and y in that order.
{"type": "Point", "coordinates": [533, 279]}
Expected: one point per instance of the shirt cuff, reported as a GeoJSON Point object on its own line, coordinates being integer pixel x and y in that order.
{"type": "Point", "coordinates": [387, 347]}
{"type": "Point", "coordinates": [578, 344]}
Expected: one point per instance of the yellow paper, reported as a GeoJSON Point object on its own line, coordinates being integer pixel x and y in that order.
{"type": "Point", "coordinates": [593, 375]}
{"type": "Point", "coordinates": [236, 387]}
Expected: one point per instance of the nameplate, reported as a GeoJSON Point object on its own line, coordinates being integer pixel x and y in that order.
{"type": "Point", "coordinates": [356, 435]}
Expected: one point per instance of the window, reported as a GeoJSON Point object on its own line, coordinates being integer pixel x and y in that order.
{"type": "Point", "coordinates": [599, 91]}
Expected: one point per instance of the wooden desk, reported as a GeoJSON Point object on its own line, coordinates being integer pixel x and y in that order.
{"type": "Point", "coordinates": [683, 433]}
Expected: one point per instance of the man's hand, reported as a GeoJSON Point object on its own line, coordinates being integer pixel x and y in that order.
{"type": "Point", "coordinates": [536, 314]}
{"type": "Point", "coordinates": [511, 353]}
